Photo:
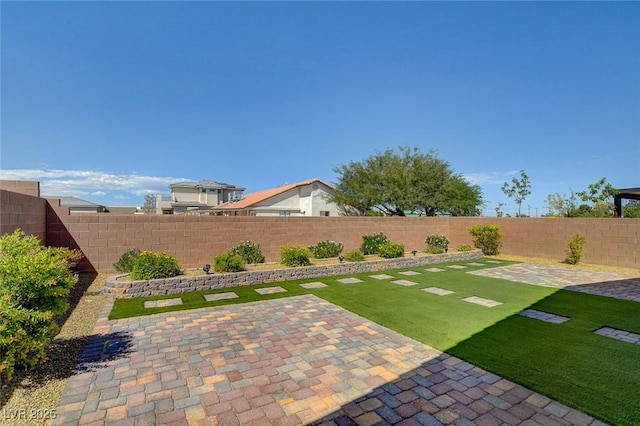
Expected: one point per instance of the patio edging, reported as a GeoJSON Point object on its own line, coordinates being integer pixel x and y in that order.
{"type": "Point", "coordinates": [129, 289]}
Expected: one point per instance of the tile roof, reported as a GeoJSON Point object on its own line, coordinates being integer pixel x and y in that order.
{"type": "Point", "coordinates": [204, 184]}
{"type": "Point", "coordinates": [259, 196]}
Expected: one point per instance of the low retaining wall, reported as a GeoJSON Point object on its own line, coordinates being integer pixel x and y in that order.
{"type": "Point", "coordinates": [128, 289]}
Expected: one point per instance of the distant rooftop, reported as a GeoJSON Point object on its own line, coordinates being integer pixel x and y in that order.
{"type": "Point", "coordinates": [204, 184]}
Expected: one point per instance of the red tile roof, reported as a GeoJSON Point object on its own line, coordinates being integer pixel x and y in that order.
{"type": "Point", "coordinates": [259, 196]}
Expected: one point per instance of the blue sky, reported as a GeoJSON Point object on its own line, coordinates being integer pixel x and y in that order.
{"type": "Point", "coordinates": [109, 101]}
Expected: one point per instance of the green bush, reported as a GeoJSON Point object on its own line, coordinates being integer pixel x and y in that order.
{"type": "Point", "coordinates": [574, 249]}
{"type": "Point", "coordinates": [228, 262]}
{"type": "Point", "coordinates": [487, 238]}
{"type": "Point", "coordinates": [391, 250]}
{"type": "Point", "coordinates": [34, 284]}
{"type": "Point", "coordinates": [464, 247]}
{"type": "Point", "coordinates": [354, 256]}
{"type": "Point", "coordinates": [249, 252]}
{"type": "Point", "coordinates": [371, 242]}
{"type": "Point", "coordinates": [436, 243]}
{"type": "Point", "coordinates": [126, 261]}
{"type": "Point", "coordinates": [295, 256]}
{"type": "Point", "coordinates": [150, 265]}
{"type": "Point", "coordinates": [325, 249]}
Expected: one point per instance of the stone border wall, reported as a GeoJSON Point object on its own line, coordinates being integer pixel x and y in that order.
{"type": "Point", "coordinates": [128, 289]}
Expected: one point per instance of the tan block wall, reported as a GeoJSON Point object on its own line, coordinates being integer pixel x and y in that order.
{"type": "Point", "coordinates": [25, 212]}
{"type": "Point", "coordinates": [194, 240]}
{"type": "Point", "coordinates": [26, 187]}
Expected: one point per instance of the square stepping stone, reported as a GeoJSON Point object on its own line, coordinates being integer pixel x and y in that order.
{"type": "Point", "coordinates": [220, 296]}
{"type": "Point", "coordinates": [434, 270]}
{"type": "Point", "coordinates": [544, 316]}
{"type": "Point", "coordinates": [456, 267]}
{"type": "Point", "coordinates": [624, 336]}
{"type": "Point", "coordinates": [162, 303]}
{"type": "Point", "coordinates": [437, 290]}
{"type": "Point", "coordinates": [270, 290]}
{"type": "Point", "coordinates": [381, 277]}
{"type": "Point", "coordinates": [404, 283]}
{"type": "Point", "coordinates": [475, 264]}
{"type": "Point", "coordinates": [409, 273]}
{"type": "Point", "coordinates": [350, 280]}
{"type": "Point", "coordinates": [482, 302]}
{"type": "Point", "coordinates": [315, 284]}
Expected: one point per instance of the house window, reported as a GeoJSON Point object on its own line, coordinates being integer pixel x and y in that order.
{"type": "Point", "coordinates": [204, 190]}
{"type": "Point", "coordinates": [324, 213]}
{"type": "Point", "coordinates": [285, 213]}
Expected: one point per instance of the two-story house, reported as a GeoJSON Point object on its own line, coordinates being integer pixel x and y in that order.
{"type": "Point", "coordinates": [196, 197]}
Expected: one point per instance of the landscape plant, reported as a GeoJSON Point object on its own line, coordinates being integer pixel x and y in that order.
{"type": "Point", "coordinates": [249, 251]}
{"type": "Point", "coordinates": [464, 247]}
{"type": "Point", "coordinates": [436, 243]}
{"type": "Point", "coordinates": [34, 284]}
{"type": "Point", "coordinates": [391, 250]}
{"type": "Point", "coordinates": [372, 242]}
{"type": "Point", "coordinates": [126, 261]}
{"type": "Point", "coordinates": [151, 265]}
{"type": "Point", "coordinates": [228, 262]}
{"type": "Point", "coordinates": [487, 238]}
{"type": "Point", "coordinates": [354, 256]}
{"type": "Point", "coordinates": [574, 249]}
{"type": "Point", "coordinates": [325, 249]}
{"type": "Point", "coordinates": [295, 255]}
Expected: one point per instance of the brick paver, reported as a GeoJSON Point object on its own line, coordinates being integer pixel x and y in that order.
{"type": "Point", "coordinates": [289, 361]}
{"type": "Point", "coordinates": [544, 316]}
{"type": "Point", "coordinates": [608, 284]}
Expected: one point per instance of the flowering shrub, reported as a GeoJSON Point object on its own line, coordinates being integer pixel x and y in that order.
{"type": "Point", "coordinates": [354, 256]}
{"type": "Point", "coordinates": [150, 265]}
{"type": "Point", "coordinates": [249, 252]}
{"type": "Point", "coordinates": [34, 285]}
{"type": "Point", "coordinates": [436, 243]}
{"type": "Point", "coordinates": [391, 250]}
{"type": "Point", "coordinates": [228, 262]}
{"type": "Point", "coordinates": [325, 249]}
{"type": "Point", "coordinates": [371, 242]}
{"type": "Point", "coordinates": [295, 256]}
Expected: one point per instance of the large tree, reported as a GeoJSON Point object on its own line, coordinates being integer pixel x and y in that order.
{"type": "Point", "coordinates": [405, 181]}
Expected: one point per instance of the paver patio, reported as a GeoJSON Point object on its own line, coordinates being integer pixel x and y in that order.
{"type": "Point", "coordinates": [288, 361]}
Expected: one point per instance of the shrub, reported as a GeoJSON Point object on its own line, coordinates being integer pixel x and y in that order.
{"type": "Point", "coordinates": [228, 262]}
{"type": "Point", "coordinates": [574, 249]}
{"type": "Point", "coordinates": [391, 250]}
{"type": "Point", "coordinates": [295, 256]}
{"type": "Point", "coordinates": [354, 256]}
{"type": "Point", "coordinates": [371, 242]}
{"type": "Point", "coordinates": [126, 261]}
{"type": "Point", "coordinates": [436, 243]}
{"type": "Point", "coordinates": [34, 284]}
{"type": "Point", "coordinates": [249, 252]}
{"type": "Point", "coordinates": [150, 265]}
{"type": "Point", "coordinates": [487, 238]}
{"type": "Point", "coordinates": [325, 249]}
{"type": "Point", "coordinates": [464, 247]}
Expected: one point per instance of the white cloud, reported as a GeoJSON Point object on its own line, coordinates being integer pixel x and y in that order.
{"type": "Point", "coordinates": [490, 178]}
{"type": "Point", "coordinates": [79, 183]}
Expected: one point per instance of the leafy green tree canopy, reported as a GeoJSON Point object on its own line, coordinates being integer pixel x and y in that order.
{"type": "Point", "coordinates": [406, 181]}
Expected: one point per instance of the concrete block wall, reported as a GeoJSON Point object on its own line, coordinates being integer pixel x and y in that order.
{"type": "Point", "coordinates": [26, 212]}
{"type": "Point", "coordinates": [194, 240]}
{"type": "Point", "coordinates": [26, 187]}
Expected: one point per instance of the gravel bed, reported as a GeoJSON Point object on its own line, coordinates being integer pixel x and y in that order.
{"type": "Point", "coordinates": [40, 388]}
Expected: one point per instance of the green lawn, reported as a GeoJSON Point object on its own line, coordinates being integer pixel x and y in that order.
{"type": "Point", "coordinates": [567, 362]}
